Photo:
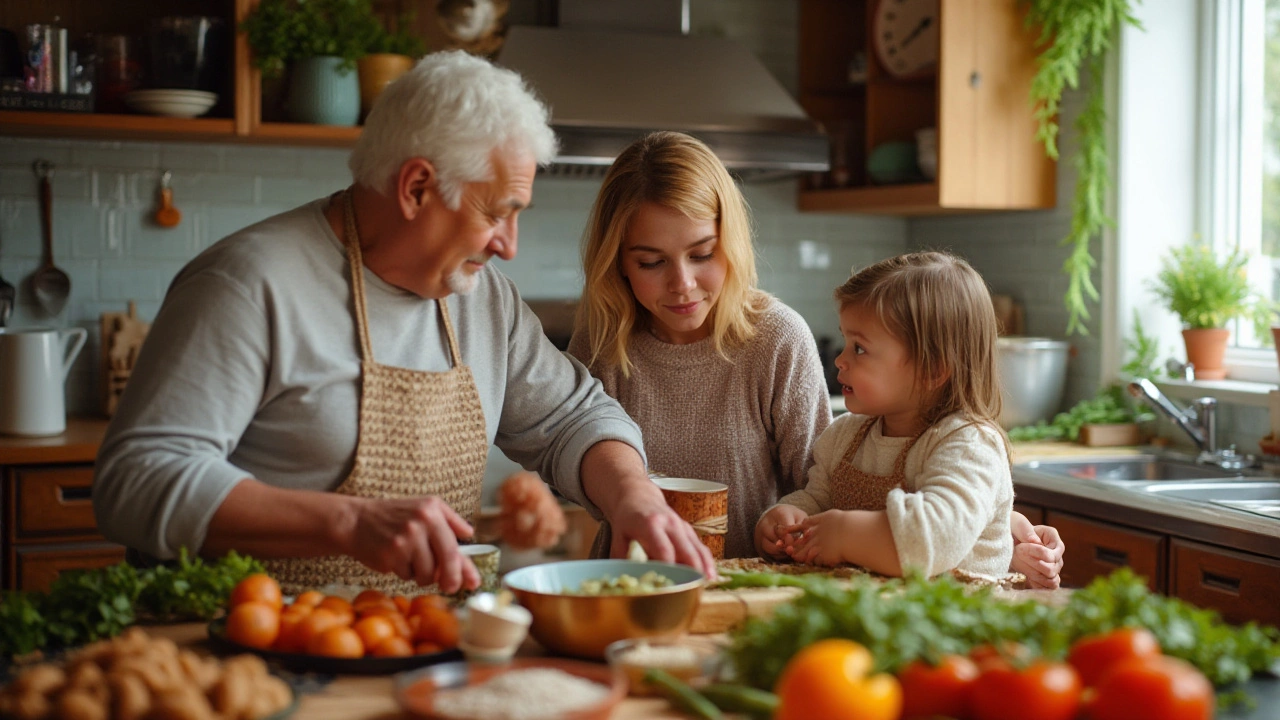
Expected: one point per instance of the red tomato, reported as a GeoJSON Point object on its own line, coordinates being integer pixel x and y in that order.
{"type": "Point", "coordinates": [1043, 690]}
{"type": "Point", "coordinates": [1093, 656]}
{"type": "Point", "coordinates": [1157, 687]}
{"type": "Point", "coordinates": [983, 654]}
{"type": "Point", "coordinates": [941, 690]}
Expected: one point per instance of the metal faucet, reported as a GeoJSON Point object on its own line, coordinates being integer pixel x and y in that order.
{"type": "Point", "coordinates": [1200, 421]}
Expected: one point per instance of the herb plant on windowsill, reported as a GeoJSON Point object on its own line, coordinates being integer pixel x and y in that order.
{"type": "Point", "coordinates": [1108, 407]}
{"type": "Point", "coordinates": [1207, 294]}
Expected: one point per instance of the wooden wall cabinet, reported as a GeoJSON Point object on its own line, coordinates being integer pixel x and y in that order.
{"type": "Point", "coordinates": [978, 99]}
{"type": "Point", "coordinates": [49, 525]}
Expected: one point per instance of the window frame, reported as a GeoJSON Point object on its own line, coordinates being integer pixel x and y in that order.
{"type": "Point", "coordinates": [1230, 154]}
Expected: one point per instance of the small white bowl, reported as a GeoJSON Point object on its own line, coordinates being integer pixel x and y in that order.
{"type": "Point", "coordinates": [495, 623]}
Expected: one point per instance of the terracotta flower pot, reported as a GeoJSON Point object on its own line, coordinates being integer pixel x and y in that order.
{"type": "Point", "coordinates": [1205, 350]}
{"type": "Point", "coordinates": [1275, 337]}
{"type": "Point", "coordinates": [376, 72]}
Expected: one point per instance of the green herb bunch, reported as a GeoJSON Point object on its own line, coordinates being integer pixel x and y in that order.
{"type": "Point", "coordinates": [1076, 35]}
{"type": "Point", "coordinates": [1205, 292]}
{"type": "Point", "coordinates": [1144, 352]}
{"type": "Point", "coordinates": [282, 31]}
{"type": "Point", "coordinates": [86, 605]}
{"type": "Point", "coordinates": [400, 41]}
{"type": "Point", "coordinates": [915, 618]}
{"type": "Point", "coordinates": [1109, 406]}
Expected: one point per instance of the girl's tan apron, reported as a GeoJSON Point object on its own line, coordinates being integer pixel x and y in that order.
{"type": "Point", "coordinates": [420, 433]}
{"type": "Point", "coordinates": [853, 489]}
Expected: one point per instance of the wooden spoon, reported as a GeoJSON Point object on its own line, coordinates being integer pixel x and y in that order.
{"type": "Point", "coordinates": [167, 215]}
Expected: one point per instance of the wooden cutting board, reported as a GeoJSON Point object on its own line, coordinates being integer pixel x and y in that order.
{"type": "Point", "coordinates": [722, 610]}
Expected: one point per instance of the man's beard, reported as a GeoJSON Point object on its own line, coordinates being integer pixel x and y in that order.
{"type": "Point", "coordinates": [461, 282]}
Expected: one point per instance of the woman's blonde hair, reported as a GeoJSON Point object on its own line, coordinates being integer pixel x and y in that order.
{"type": "Point", "coordinates": [678, 172]}
{"type": "Point", "coordinates": [940, 308]}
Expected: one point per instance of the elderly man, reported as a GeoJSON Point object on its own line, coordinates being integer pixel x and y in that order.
{"type": "Point", "coordinates": [319, 390]}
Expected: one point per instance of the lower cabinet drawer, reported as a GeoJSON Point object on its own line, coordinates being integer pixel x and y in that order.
{"type": "Point", "coordinates": [54, 501]}
{"type": "Point", "coordinates": [1034, 513]}
{"type": "Point", "coordinates": [1096, 548]}
{"type": "Point", "coordinates": [36, 568]}
{"type": "Point", "coordinates": [1242, 587]}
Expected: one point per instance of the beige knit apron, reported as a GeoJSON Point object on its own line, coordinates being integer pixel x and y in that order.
{"type": "Point", "coordinates": [420, 433]}
{"type": "Point", "coordinates": [853, 489]}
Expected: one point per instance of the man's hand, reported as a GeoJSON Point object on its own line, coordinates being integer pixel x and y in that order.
{"type": "Point", "coordinates": [769, 536]}
{"type": "Point", "coordinates": [661, 532]}
{"type": "Point", "coordinates": [614, 478]}
{"type": "Point", "coordinates": [415, 538]}
{"type": "Point", "coordinates": [531, 517]}
{"type": "Point", "coordinates": [820, 538]}
{"type": "Point", "coordinates": [1037, 552]}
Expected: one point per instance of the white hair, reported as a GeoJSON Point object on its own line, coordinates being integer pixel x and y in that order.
{"type": "Point", "coordinates": [453, 109]}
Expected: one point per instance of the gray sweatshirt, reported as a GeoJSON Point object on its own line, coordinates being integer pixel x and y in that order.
{"type": "Point", "coordinates": [252, 369]}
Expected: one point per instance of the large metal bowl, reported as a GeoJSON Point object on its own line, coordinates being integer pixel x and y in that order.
{"type": "Point", "coordinates": [585, 625]}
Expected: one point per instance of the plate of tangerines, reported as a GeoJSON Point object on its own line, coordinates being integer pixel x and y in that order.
{"type": "Point", "coordinates": [369, 634]}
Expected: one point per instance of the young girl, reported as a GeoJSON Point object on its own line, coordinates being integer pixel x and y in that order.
{"type": "Point", "coordinates": [917, 474]}
{"type": "Point", "coordinates": [723, 379]}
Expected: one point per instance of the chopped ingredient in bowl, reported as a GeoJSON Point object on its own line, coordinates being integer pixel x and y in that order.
{"type": "Point", "coordinates": [624, 585]}
{"type": "Point", "coordinates": [521, 695]}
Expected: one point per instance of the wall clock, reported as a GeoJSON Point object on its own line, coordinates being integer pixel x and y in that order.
{"type": "Point", "coordinates": [905, 33]}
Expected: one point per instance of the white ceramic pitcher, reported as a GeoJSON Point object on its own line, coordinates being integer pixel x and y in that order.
{"type": "Point", "coordinates": [34, 363]}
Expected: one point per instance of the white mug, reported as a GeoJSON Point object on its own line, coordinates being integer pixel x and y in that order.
{"type": "Point", "coordinates": [34, 363]}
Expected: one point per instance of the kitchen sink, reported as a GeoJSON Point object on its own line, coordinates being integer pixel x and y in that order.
{"type": "Point", "coordinates": [1135, 467]}
{"type": "Point", "coordinates": [1235, 491]}
{"type": "Point", "coordinates": [1261, 497]}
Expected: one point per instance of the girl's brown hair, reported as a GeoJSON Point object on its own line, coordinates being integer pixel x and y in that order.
{"type": "Point", "coordinates": [679, 172]}
{"type": "Point", "coordinates": [940, 308]}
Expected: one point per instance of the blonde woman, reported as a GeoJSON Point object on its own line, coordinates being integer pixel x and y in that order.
{"type": "Point", "coordinates": [723, 379]}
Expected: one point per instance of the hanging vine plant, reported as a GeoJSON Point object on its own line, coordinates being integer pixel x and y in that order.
{"type": "Point", "coordinates": [1076, 35]}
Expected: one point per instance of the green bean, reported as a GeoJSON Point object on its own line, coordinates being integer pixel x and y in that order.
{"type": "Point", "coordinates": [741, 699]}
{"type": "Point", "coordinates": [681, 695]}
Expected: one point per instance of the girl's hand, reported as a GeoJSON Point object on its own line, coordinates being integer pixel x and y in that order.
{"type": "Point", "coordinates": [769, 536]}
{"type": "Point", "coordinates": [820, 538]}
{"type": "Point", "coordinates": [1037, 553]}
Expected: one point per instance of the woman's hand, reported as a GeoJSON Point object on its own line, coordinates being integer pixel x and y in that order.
{"type": "Point", "coordinates": [820, 538]}
{"type": "Point", "coordinates": [769, 536]}
{"type": "Point", "coordinates": [531, 516]}
{"type": "Point", "coordinates": [1037, 552]}
{"type": "Point", "coordinates": [415, 538]}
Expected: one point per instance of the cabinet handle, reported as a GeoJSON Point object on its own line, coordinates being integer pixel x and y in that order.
{"type": "Point", "coordinates": [1110, 556]}
{"type": "Point", "coordinates": [76, 493]}
{"type": "Point", "coordinates": [975, 79]}
{"type": "Point", "coordinates": [1214, 581]}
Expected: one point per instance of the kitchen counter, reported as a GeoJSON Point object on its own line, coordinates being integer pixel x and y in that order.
{"type": "Point", "coordinates": [368, 698]}
{"type": "Point", "coordinates": [79, 444]}
{"type": "Point", "coordinates": [1176, 516]}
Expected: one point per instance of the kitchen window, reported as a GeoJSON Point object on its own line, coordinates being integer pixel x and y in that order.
{"type": "Point", "coordinates": [1240, 156]}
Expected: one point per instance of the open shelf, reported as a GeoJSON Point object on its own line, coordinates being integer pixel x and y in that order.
{"type": "Point", "coordinates": [119, 127]}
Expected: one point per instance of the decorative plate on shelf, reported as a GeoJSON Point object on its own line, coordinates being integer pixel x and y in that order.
{"type": "Point", "coordinates": [303, 663]}
{"type": "Point", "coordinates": [171, 103]}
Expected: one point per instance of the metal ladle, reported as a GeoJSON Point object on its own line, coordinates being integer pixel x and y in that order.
{"type": "Point", "coordinates": [51, 285]}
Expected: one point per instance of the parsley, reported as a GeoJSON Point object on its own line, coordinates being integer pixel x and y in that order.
{"type": "Point", "coordinates": [903, 620]}
{"type": "Point", "coordinates": [86, 605]}
{"type": "Point", "coordinates": [1108, 407]}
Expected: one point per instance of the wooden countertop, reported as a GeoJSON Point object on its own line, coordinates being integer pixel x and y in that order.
{"type": "Point", "coordinates": [79, 444]}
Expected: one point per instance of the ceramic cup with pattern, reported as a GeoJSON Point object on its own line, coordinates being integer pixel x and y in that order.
{"type": "Point", "coordinates": [701, 503]}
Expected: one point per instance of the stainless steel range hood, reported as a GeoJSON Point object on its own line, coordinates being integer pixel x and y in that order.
{"type": "Point", "coordinates": [606, 88]}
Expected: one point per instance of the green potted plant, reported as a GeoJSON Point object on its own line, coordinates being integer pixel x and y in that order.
{"type": "Point", "coordinates": [1207, 293]}
{"type": "Point", "coordinates": [390, 54]}
{"type": "Point", "coordinates": [318, 42]}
